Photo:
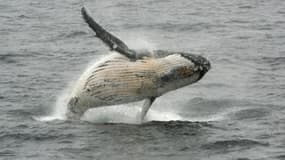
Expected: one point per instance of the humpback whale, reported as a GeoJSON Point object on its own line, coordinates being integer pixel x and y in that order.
{"type": "Point", "coordinates": [127, 75]}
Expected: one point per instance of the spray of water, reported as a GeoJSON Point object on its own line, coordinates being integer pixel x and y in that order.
{"type": "Point", "coordinates": [58, 109]}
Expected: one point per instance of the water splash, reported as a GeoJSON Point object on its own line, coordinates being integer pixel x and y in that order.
{"type": "Point", "coordinates": [130, 114]}
{"type": "Point", "coordinates": [125, 113]}
{"type": "Point", "coordinates": [141, 44]}
{"type": "Point", "coordinates": [59, 109]}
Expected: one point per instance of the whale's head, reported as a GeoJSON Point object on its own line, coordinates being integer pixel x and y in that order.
{"type": "Point", "coordinates": [182, 69]}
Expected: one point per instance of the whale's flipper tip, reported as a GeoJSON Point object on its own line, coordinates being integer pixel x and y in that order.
{"type": "Point", "coordinates": [84, 12]}
{"type": "Point", "coordinates": [110, 40]}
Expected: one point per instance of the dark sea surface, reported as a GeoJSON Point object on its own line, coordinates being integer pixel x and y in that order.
{"type": "Point", "coordinates": [236, 112]}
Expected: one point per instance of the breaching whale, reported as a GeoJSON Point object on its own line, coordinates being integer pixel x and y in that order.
{"type": "Point", "coordinates": [127, 75]}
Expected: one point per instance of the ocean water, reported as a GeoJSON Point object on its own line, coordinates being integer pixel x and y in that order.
{"type": "Point", "coordinates": [237, 111]}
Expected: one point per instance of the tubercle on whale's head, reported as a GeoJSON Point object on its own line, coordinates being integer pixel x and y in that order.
{"type": "Point", "coordinates": [201, 64]}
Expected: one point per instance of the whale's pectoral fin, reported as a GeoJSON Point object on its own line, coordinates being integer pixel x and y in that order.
{"type": "Point", "coordinates": [110, 40]}
{"type": "Point", "coordinates": [148, 102]}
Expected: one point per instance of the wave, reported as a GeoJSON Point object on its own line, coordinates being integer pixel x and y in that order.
{"type": "Point", "coordinates": [230, 144]}
{"type": "Point", "coordinates": [13, 57]}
